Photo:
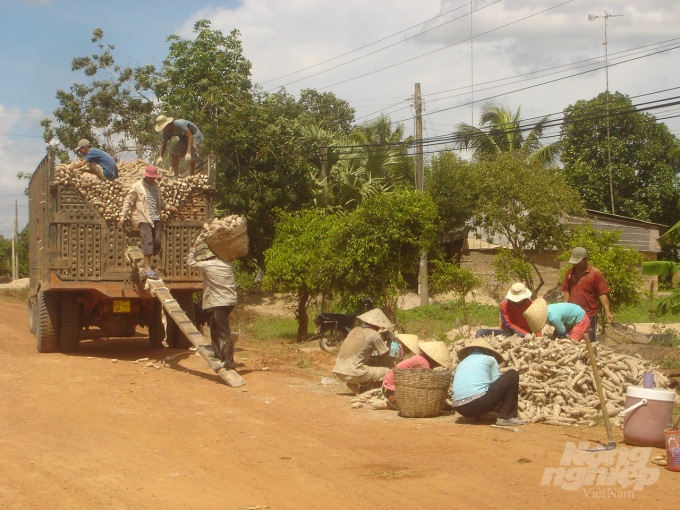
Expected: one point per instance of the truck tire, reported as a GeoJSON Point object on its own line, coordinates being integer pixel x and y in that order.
{"type": "Point", "coordinates": [176, 338]}
{"type": "Point", "coordinates": [47, 322]}
{"type": "Point", "coordinates": [156, 327]}
{"type": "Point", "coordinates": [69, 328]}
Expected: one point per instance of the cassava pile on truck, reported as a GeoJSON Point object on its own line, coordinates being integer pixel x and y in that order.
{"type": "Point", "coordinates": [82, 284]}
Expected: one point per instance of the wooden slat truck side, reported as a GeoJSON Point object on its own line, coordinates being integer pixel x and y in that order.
{"type": "Point", "coordinates": [82, 284]}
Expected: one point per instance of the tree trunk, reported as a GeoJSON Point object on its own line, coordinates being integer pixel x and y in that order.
{"type": "Point", "coordinates": [301, 313]}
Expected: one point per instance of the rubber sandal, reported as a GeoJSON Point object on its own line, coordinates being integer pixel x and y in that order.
{"type": "Point", "coordinates": [151, 274]}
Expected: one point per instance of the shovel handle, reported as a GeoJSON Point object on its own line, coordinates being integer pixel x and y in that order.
{"type": "Point", "coordinates": [600, 393]}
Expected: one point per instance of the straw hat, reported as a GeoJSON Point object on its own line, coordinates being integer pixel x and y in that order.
{"type": "Point", "coordinates": [376, 317]}
{"type": "Point", "coordinates": [84, 142]}
{"type": "Point", "coordinates": [480, 343]}
{"type": "Point", "coordinates": [536, 315]}
{"type": "Point", "coordinates": [410, 341]}
{"type": "Point", "coordinates": [437, 351]}
{"type": "Point", "coordinates": [162, 121]}
{"type": "Point", "coordinates": [518, 292]}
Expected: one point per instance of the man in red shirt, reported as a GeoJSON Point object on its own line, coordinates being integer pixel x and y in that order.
{"type": "Point", "coordinates": [584, 285]}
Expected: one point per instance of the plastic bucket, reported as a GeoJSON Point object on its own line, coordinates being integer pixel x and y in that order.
{"type": "Point", "coordinates": [647, 415]}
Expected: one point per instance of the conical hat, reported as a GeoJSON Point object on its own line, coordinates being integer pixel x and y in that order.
{"type": "Point", "coordinates": [410, 341]}
{"type": "Point", "coordinates": [536, 315]}
{"type": "Point", "coordinates": [437, 351]}
{"type": "Point", "coordinates": [376, 317]}
{"type": "Point", "coordinates": [480, 343]}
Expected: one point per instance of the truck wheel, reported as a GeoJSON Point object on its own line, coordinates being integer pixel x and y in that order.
{"type": "Point", "coordinates": [46, 322]}
{"type": "Point", "coordinates": [69, 329]}
{"type": "Point", "coordinates": [156, 328]}
{"type": "Point", "coordinates": [176, 338]}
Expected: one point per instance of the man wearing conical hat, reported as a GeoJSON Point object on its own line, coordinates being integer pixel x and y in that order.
{"type": "Point", "coordinates": [479, 387]}
{"type": "Point", "coordinates": [357, 348]}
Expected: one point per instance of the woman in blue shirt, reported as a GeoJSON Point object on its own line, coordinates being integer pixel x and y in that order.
{"type": "Point", "coordinates": [479, 387]}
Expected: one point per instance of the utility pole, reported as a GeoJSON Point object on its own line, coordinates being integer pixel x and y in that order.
{"type": "Point", "coordinates": [14, 273]}
{"type": "Point", "coordinates": [15, 256]}
{"type": "Point", "coordinates": [420, 183]}
{"type": "Point", "coordinates": [606, 17]}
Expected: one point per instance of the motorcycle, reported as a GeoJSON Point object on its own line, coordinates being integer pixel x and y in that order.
{"type": "Point", "coordinates": [332, 328]}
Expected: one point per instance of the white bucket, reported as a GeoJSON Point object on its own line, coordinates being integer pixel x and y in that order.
{"type": "Point", "coordinates": [648, 413]}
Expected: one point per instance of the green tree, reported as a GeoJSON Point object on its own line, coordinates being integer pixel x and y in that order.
{"type": "Point", "coordinates": [644, 170]}
{"type": "Point", "coordinates": [619, 265]}
{"type": "Point", "coordinates": [450, 277]}
{"type": "Point", "coordinates": [381, 241]}
{"type": "Point", "coordinates": [112, 110]}
{"type": "Point", "coordinates": [453, 184]}
{"type": "Point", "coordinates": [525, 203]}
{"type": "Point", "coordinates": [300, 260]}
{"type": "Point", "coordinates": [501, 131]}
{"type": "Point", "coordinates": [373, 159]}
{"type": "Point", "coordinates": [327, 111]}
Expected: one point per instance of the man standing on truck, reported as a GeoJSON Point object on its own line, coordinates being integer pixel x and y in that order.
{"type": "Point", "coordinates": [96, 161]}
{"type": "Point", "coordinates": [219, 299]}
{"type": "Point", "coordinates": [143, 205]}
{"type": "Point", "coordinates": [190, 138]}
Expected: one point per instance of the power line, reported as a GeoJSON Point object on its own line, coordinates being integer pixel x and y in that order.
{"type": "Point", "coordinates": [447, 46]}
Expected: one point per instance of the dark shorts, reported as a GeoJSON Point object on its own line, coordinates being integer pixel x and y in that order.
{"type": "Point", "coordinates": [180, 149]}
{"type": "Point", "coordinates": [150, 237]}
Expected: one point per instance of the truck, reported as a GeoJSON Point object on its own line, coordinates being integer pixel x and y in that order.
{"type": "Point", "coordinates": [83, 285]}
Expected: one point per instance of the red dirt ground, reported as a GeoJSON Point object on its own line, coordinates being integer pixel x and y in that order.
{"type": "Point", "coordinates": [82, 431]}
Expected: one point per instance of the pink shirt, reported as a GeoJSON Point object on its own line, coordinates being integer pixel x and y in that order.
{"type": "Point", "coordinates": [416, 361]}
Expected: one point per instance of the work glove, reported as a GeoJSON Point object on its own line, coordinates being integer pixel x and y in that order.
{"type": "Point", "coordinates": [187, 157]}
{"type": "Point", "coordinates": [159, 160]}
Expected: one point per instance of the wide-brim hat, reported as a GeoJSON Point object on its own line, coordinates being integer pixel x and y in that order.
{"type": "Point", "coordinates": [152, 172]}
{"type": "Point", "coordinates": [518, 292]}
{"type": "Point", "coordinates": [162, 121]}
{"type": "Point", "coordinates": [84, 142]}
{"type": "Point", "coordinates": [410, 341]}
{"type": "Point", "coordinates": [480, 343]}
{"type": "Point", "coordinates": [437, 351]}
{"type": "Point", "coordinates": [376, 317]}
{"type": "Point", "coordinates": [578, 254]}
{"type": "Point", "coordinates": [537, 315]}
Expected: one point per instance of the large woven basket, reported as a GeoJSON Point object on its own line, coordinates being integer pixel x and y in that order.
{"type": "Point", "coordinates": [421, 393]}
{"type": "Point", "coordinates": [229, 245]}
{"type": "Point", "coordinates": [617, 334]}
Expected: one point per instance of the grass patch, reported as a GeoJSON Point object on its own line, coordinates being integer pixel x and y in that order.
{"type": "Point", "coordinates": [670, 363]}
{"type": "Point", "coordinates": [14, 294]}
{"type": "Point", "coordinates": [267, 328]}
{"type": "Point", "coordinates": [643, 311]}
{"type": "Point", "coordinates": [436, 320]}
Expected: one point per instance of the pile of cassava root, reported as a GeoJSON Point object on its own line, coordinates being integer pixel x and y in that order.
{"type": "Point", "coordinates": [556, 384]}
{"type": "Point", "coordinates": [108, 196]}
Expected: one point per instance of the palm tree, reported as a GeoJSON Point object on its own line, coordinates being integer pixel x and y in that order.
{"type": "Point", "coordinates": [500, 131]}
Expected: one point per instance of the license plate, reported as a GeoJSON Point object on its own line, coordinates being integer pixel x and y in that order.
{"type": "Point", "coordinates": [122, 306]}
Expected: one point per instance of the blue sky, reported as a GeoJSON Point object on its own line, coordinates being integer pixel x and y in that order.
{"type": "Point", "coordinates": [425, 41]}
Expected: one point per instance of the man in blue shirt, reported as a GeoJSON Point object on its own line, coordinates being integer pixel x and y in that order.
{"type": "Point", "coordinates": [95, 161]}
{"type": "Point", "coordinates": [190, 138]}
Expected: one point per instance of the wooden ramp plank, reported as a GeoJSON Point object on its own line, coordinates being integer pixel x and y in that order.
{"type": "Point", "coordinates": [175, 312]}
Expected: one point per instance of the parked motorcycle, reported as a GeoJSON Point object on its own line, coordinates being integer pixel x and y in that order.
{"type": "Point", "coordinates": [332, 328]}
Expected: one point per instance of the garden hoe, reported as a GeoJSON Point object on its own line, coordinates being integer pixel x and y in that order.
{"type": "Point", "coordinates": [603, 405]}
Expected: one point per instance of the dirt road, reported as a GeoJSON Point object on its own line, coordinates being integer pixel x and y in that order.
{"type": "Point", "coordinates": [82, 431]}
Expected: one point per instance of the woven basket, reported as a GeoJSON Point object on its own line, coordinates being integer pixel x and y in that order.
{"type": "Point", "coordinates": [421, 393]}
{"type": "Point", "coordinates": [617, 334]}
{"type": "Point", "coordinates": [229, 244]}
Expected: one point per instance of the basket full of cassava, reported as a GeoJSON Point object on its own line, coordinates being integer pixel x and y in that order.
{"type": "Point", "coordinates": [227, 237]}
